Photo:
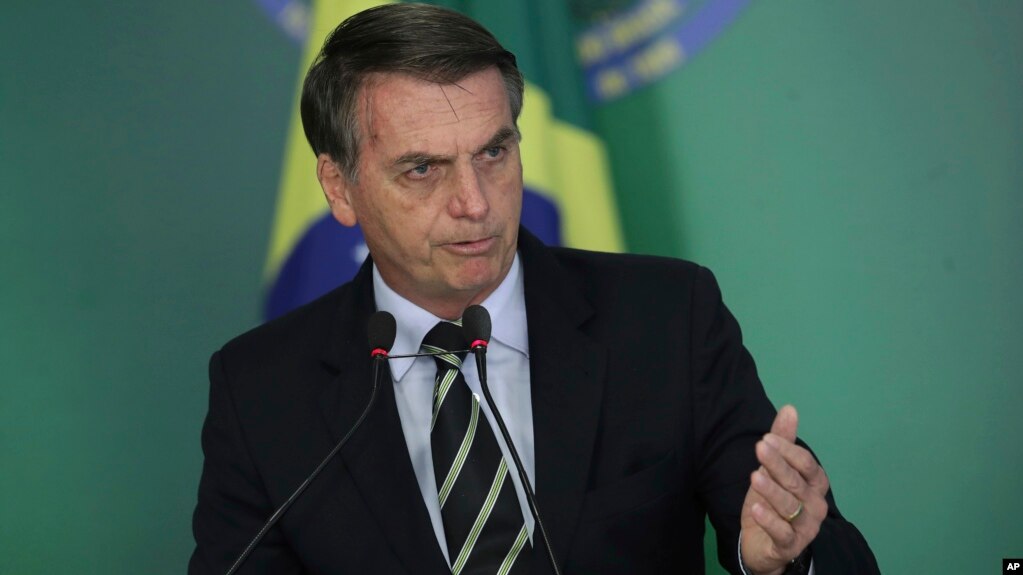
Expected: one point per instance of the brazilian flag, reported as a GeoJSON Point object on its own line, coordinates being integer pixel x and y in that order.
{"type": "Point", "coordinates": [568, 198]}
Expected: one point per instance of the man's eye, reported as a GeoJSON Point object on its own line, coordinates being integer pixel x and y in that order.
{"type": "Point", "coordinates": [420, 171]}
{"type": "Point", "coordinates": [494, 152]}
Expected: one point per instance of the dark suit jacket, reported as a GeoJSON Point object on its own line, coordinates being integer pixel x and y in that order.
{"type": "Point", "coordinates": [646, 409]}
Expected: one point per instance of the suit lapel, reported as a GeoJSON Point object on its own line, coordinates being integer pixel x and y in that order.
{"type": "Point", "coordinates": [566, 382]}
{"type": "Point", "coordinates": [376, 457]}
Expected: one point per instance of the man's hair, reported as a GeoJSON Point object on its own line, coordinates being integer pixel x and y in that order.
{"type": "Point", "coordinates": [426, 42]}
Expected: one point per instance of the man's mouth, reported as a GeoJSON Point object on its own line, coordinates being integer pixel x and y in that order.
{"type": "Point", "coordinates": [471, 247]}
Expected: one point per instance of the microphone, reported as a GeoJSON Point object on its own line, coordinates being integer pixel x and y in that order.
{"type": "Point", "coordinates": [381, 332]}
{"type": "Point", "coordinates": [476, 326]}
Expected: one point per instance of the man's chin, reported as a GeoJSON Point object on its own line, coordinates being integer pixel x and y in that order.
{"type": "Point", "coordinates": [476, 284]}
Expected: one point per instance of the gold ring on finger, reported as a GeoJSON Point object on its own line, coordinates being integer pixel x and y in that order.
{"type": "Point", "coordinates": [796, 513]}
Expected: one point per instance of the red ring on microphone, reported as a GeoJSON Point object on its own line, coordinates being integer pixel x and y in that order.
{"type": "Point", "coordinates": [378, 351]}
{"type": "Point", "coordinates": [478, 343]}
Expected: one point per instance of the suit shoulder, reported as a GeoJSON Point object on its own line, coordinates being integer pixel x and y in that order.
{"type": "Point", "coordinates": [641, 284]}
{"type": "Point", "coordinates": [628, 268]}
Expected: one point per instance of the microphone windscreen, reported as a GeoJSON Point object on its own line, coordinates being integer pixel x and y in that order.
{"type": "Point", "coordinates": [382, 330]}
{"type": "Point", "coordinates": [476, 323]}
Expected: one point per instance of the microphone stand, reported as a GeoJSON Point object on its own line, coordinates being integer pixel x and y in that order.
{"type": "Point", "coordinates": [378, 358]}
{"type": "Point", "coordinates": [479, 349]}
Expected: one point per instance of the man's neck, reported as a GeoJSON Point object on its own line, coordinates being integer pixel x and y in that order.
{"type": "Point", "coordinates": [448, 306]}
{"type": "Point", "coordinates": [506, 305]}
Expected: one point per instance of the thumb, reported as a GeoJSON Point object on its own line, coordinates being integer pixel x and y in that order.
{"type": "Point", "coordinates": [786, 422]}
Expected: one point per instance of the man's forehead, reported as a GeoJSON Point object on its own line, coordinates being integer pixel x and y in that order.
{"type": "Point", "coordinates": [396, 102]}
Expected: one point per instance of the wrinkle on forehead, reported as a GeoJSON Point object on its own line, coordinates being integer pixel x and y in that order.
{"type": "Point", "coordinates": [408, 105]}
{"type": "Point", "coordinates": [448, 99]}
{"type": "Point", "coordinates": [374, 81]}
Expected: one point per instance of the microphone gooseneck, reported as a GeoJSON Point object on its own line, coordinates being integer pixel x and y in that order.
{"type": "Point", "coordinates": [477, 328]}
{"type": "Point", "coordinates": [381, 332]}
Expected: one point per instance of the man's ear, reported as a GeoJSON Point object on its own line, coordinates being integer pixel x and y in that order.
{"type": "Point", "coordinates": [337, 190]}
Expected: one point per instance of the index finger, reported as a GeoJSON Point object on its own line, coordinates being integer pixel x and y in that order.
{"type": "Point", "coordinates": [800, 459]}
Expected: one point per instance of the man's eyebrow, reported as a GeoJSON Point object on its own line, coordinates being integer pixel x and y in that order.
{"type": "Point", "coordinates": [418, 158]}
{"type": "Point", "coordinates": [504, 134]}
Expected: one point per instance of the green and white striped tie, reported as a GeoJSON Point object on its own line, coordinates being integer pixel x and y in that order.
{"type": "Point", "coordinates": [483, 523]}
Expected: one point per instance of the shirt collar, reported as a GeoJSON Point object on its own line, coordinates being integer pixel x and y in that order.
{"type": "Point", "coordinates": [507, 307]}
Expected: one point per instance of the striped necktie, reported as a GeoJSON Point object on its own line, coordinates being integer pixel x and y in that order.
{"type": "Point", "coordinates": [483, 522]}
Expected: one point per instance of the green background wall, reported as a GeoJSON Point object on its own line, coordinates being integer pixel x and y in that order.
{"type": "Point", "coordinates": [853, 173]}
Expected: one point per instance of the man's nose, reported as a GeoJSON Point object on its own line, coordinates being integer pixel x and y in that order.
{"type": "Point", "coordinates": [468, 200]}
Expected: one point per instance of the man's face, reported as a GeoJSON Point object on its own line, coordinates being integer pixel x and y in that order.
{"type": "Point", "coordinates": [439, 188]}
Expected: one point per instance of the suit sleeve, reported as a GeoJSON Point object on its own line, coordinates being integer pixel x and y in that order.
{"type": "Point", "coordinates": [732, 413]}
{"type": "Point", "coordinates": [233, 504]}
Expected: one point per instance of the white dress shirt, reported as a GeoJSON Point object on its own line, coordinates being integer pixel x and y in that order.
{"type": "Point", "coordinates": [507, 374]}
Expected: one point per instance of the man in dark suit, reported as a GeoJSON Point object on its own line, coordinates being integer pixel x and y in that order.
{"type": "Point", "coordinates": [624, 377]}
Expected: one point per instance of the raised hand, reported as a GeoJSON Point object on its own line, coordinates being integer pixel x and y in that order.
{"type": "Point", "coordinates": [785, 504]}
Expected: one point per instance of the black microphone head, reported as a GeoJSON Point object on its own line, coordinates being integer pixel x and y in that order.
{"type": "Point", "coordinates": [381, 332]}
{"type": "Point", "coordinates": [476, 324]}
